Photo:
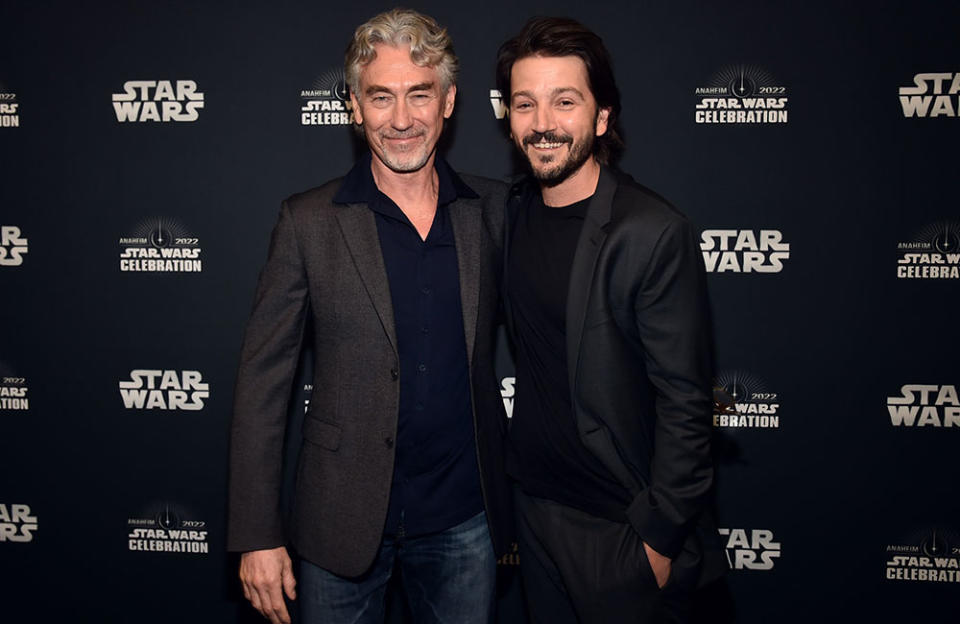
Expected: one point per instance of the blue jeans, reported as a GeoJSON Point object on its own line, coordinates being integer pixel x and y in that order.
{"type": "Point", "coordinates": [447, 578]}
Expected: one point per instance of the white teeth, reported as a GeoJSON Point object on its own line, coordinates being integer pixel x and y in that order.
{"type": "Point", "coordinates": [547, 145]}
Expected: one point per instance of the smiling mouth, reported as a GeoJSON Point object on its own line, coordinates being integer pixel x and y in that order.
{"type": "Point", "coordinates": [403, 137]}
{"type": "Point", "coordinates": [546, 141]}
{"type": "Point", "coordinates": [403, 143]}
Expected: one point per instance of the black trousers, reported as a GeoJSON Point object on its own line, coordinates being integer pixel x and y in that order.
{"type": "Point", "coordinates": [578, 568]}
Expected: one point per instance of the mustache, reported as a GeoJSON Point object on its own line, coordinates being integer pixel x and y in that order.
{"type": "Point", "coordinates": [546, 137]}
{"type": "Point", "coordinates": [403, 134]}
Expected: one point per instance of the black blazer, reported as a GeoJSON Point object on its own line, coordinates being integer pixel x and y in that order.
{"type": "Point", "coordinates": [639, 359]}
{"type": "Point", "coordinates": [325, 261]}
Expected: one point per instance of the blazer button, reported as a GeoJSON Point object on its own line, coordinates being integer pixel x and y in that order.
{"type": "Point", "coordinates": [388, 442]}
{"type": "Point", "coordinates": [394, 374]}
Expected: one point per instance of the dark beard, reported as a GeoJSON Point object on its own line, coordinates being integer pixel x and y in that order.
{"type": "Point", "coordinates": [579, 153]}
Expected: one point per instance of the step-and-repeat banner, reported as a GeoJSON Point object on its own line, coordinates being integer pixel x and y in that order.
{"type": "Point", "coordinates": [145, 148]}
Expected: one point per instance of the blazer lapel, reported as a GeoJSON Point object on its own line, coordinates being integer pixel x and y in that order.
{"type": "Point", "coordinates": [359, 229]}
{"type": "Point", "coordinates": [584, 260]}
{"type": "Point", "coordinates": [467, 232]}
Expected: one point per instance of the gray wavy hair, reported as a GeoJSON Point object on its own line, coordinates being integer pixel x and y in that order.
{"type": "Point", "coordinates": [430, 45]}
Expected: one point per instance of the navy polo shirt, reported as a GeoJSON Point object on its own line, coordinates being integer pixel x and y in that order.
{"type": "Point", "coordinates": [436, 480]}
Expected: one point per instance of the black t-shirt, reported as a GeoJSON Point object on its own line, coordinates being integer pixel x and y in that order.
{"type": "Point", "coordinates": [545, 453]}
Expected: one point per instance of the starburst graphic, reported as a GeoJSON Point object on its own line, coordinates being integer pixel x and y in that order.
{"type": "Point", "coordinates": [160, 231]}
{"type": "Point", "coordinates": [739, 386]}
{"type": "Point", "coordinates": [333, 83]}
{"type": "Point", "coordinates": [742, 80]}
{"type": "Point", "coordinates": [944, 236]}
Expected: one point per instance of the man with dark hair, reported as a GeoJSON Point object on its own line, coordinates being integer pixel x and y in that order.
{"type": "Point", "coordinates": [397, 266]}
{"type": "Point", "coordinates": [606, 303]}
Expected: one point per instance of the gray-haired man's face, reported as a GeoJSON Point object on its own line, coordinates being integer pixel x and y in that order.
{"type": "Point", "coordinates": [402, 107]}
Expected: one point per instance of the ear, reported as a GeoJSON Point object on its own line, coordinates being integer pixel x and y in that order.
{"type": "Point", "coordinates": [357, 114]}
{"type": "Point", "coordinates": [448, 101]}
{"type": "Point", "coordinates": [603, 118]}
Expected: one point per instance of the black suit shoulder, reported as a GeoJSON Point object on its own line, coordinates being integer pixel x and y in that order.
{"type": "Point", "coordinates": [636, 201]}
{"type": "Point", "coordinates": [493, 196]}
{"type": "Point", "coordinates": [492, 192]}
{"type": "Point", "coordinates": [647, 216]}
{"type": "Point", "coordinates": [482, 185]}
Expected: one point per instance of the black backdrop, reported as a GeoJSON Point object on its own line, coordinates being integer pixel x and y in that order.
{"type": "Point", "coordinates": [833, 505]}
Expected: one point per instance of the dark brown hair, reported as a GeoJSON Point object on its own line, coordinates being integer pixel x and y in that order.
{"type": "Point", "coordinates": [561, 36]}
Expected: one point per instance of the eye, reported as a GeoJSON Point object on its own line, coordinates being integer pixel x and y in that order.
{"type": "Point", "coordinates": [522, 106]}
{"type": "Point", "coordinates": [566, 103]}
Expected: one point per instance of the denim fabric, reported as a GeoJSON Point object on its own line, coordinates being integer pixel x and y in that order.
{"type": "Point", "coordinates": [446, 577]}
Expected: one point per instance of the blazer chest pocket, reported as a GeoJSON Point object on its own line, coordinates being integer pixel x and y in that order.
{"type": "Point", "coordinates": [322, 433]}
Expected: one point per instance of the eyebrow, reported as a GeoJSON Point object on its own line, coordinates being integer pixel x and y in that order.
{"type": "Point", "coordinates": [553, 94]}
{"type": "Point", "coordinates": [420, 86]}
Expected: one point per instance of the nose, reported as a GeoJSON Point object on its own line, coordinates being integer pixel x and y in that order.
{"type": "Point", "coordinates": [543, 119]}
{"type": "Point", "coordinates": [401, 115]}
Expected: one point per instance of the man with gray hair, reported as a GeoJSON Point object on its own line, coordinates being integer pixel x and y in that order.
{"type": "Point", "coordinates": [396, 265]}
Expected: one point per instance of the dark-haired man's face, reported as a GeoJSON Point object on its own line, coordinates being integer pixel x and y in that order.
{"type": "Point", "coordinates": [554, 118]}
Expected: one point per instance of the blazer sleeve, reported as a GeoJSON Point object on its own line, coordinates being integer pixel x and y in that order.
{"type": "Point", "coordinates": [672, 319]}
{"type": "Point", "coordinates": [268, 361]}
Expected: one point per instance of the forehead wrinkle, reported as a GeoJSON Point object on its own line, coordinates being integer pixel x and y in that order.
{"type": "Point", "coordinates": [544, 71]}
{"type": "Point", "coordinates": [556, 92]}
{"type": "Point", "coordinates": [420, 86]}
{"type": "Point", "coordinates": [397, 75]}
{"type": "Point", "coordinates": [560, 90]}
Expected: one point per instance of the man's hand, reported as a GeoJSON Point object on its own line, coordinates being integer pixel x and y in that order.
{"type": "Point", "coordinates": [262, 573]}
{"type": "Point", "coordinates": [659, 564]}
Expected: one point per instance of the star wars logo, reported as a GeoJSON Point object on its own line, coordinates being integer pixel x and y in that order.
{"type": "Point", "coordinates": [933, 254]}
{"type": "Point", "coordinates": [741, 95]}
{"type": "Point", "coordinates": [13, 394]}
{"type": "Point", "coordinates": [750, 549]}
{"type": "Point", "coordinates": [158, 100]}
{"type": "Point", "coordinates": [164, 390]}
{"type": "Point", "coordinates": [925, 405]}
{"type": "Point", "coordinates": [742, 401]}
{"type": "Point", "coordinates": [507, 390]}
{"type": "Point", "coordinates": [935, 559]}
{"type": "Point", "coordinates": [743, 251]}
{"type": "Point", "coordinates": [327, 102]}
{"type": "Point", "coordinates": [12, 246]}
{"type": "Point", "coordinates": [499, 105]}
{"type": "Point", "coordinates": [9, 109]}
{"type": "Point", "coordinates": [932, 95]}
{"type": "Point", "coordinates": [17, 523]}
{"type": "Point", "coordinates": [167, 532]}
{"type": "Point", "coordinates": [160, 246]}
